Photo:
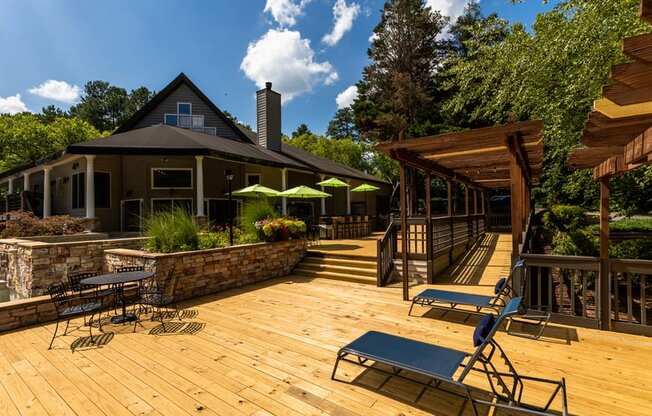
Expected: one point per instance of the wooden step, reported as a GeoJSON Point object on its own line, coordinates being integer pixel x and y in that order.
{"type": "Point", "coordinates": [320, 267]}
{"type": "Point", "coordinates": [300, 271]}
{"type": "Point", "coordinates": [323, 254]}
{"type": "Point", "coordinates": [359, 264]}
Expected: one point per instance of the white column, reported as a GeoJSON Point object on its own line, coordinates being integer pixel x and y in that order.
{"type": "Point", "coordinates": [200, 185]}
{"type": "Point", "coordinates": [26, 181]}
{"type": "Point", "coordinates": [47, 202]}
{"type": "Point", "coordinates": [90, 186]}
{"type": "Point", "coordinates": [348, 198]}
{"type": "Point", "coordinates": [284, 184]}
{"type": "Point", "coordinates": [11, 186]}
{"type": "Point", "coordinates": [323, 200]}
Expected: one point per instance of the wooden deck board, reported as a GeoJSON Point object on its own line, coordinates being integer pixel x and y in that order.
{"type": "Point", "coordinates": [268, 349]}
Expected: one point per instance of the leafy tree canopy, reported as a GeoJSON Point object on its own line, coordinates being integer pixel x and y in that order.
{"type": "Point", "coordinates": [343, 125]}
{"type": "Point", "coordinates": [301, 130]}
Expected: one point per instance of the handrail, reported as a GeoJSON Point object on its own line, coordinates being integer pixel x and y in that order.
{"type": "Point", "coordinates": [386, 251]}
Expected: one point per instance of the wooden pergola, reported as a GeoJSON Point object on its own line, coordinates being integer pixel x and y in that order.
{"type": "Point", "coordinates": [508, 156]}
{"type": "Point", "coordinates": [617, 136]}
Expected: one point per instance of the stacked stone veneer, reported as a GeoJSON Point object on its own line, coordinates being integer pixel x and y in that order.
{"type": "Point", "coordinates": [198, 272]}
{"type": "Point", "coordinates": [29, 267]}
{"type": "Point", "coordinates": [209, 271]}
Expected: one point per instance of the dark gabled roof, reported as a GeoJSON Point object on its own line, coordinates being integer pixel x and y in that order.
{"type": "Point", "coordinates": [168, 140]}
{"type": "Point", "coordinates": [164, 93]}
{"type": "Point", "coordinates": [317, 163]}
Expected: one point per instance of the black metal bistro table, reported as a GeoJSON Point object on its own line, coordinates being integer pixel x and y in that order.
{"type": "Point", "coordinates": [118, 281]}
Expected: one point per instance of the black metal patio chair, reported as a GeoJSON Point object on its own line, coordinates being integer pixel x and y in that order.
{"type": "Point", "coordinates": [88, 291]}
{"type": "Point", "coordinates": [133, 298]}
{"type": "Point", "coordinates": [68, 307]}
{"type": "Point", "coordinates": [160, 297]}
{"type": "Point", "coordinates": [445, 366]}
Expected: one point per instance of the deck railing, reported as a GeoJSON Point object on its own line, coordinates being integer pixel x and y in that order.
{"type": "Point", "coordinates": [426, 240]}
{"type": "Point", "coordinates": [631, 295]}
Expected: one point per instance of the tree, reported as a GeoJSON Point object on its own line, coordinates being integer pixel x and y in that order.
{"type": "Point", "coordinates": [236, 121]}
{"type": "Point", "coordinates": [106, 106]}
{"type": "Point", "coordinates": [398, 87]}
{"type": "Point", "coordinates": [343, 125]}
{"type": "Point", "coordinates": [26, 138]}
{"type": "Point", "coordinates": [552, 74]}
{"type": "Point", "coordinates": [51, 113]}
{"type": "Point", "coordinates": [301, 130]}
{"type": "Point", "coordinates": [345, 151]}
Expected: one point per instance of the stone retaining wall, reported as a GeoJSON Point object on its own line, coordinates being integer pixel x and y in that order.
{"type": "Point", "coordinates": [209, 271]}
{"type": "Point", "coordinates": [199, 273]}
{"type": "Point", "coordinates": [29, 267]}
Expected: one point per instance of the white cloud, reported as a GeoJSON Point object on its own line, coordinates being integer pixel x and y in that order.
{"type": "Point", "coordinates": [346, 97]}
{"type": "Point", "coordinates": [284, 58]}
{"type": "Point", "coordinates": [373, 37]}
{"type": "Point", "coordinates": [343, 17]}
{"type": "Point", "coordinates": [285, 12]}
{"type": "Point", "coordinates": [12, 105]}
{"type": "Point", "coordinates": [58, 91]}
{"type": "Point", "coordinates": [450, 8]}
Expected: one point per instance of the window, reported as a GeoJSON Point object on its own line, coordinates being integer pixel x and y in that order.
{"type": "Point", "coordinates": [168, 204]}
{"type": "Point", "coordinates": [102, 190]}
{"type": "Point", "coordinates": [79, 190]}
{"type": "Point", "coordinates": [172, 178]}
{"type": "Point", "coordinates": [218, 210]}
{"type": "Point", "coordinates": [171, 119]}
{"type": "Point", "coordinates": [184, 108]}
{"type": "Point", "coordinates": [253, 179]}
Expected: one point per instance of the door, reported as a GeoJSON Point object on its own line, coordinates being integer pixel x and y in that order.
{"type": "Point", "coordinates": [132, 215]}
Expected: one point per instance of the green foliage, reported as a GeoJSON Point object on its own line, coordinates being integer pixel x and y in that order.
{"type": "Point", "coordinates": [345, 151]}
{"type": "Point", "coordinates": [27, 137]}
{"type": "Point", "coordinates": [25, 224]}
{"type": "Point", "coordinates": [632, 193]}
{"type": "Point", "coordinates": [632, 249]}
{"type": "Point", "coordinates": [301, 130]}
{"type": "Point", "coordinates": [552, 74]}
{"type": "Point", "coordinates": [254, 210]}
{"type": "Point", "coordinates": [397, 91]}
{"type": "Point", "coordinates": [565, 218]}
{"type": "Point", "coordinates": [342, 126]}
{"type": "Point", "coordinates": [220, 238]}
{"type": "Point", "coordinates": [632, 224]}
{"type": "Point", "coordinates": [575, 243]}
{"type": "Point", "coordinates": [171, 231]}
{"type": "Point", "coordinates": [107, 106]}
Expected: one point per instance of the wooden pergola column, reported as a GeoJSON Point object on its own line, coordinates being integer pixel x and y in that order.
{"type": "Point", "coordinates": [429, 243]}
{"type": "Point", "coordinates": [451, 212]}
{"type": "Point", "coordinates": [516, 187]}
{"type": "Point", "coordinates": [404, 230]}
{"type": "Point", "coordinates": [605, 286]}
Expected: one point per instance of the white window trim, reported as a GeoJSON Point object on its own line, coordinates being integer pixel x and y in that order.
{"type": "Point", "coordinates": [110, 193]}
{"type": "Point", "coordinates": [151, 203]}
{"type": "Point", "coordinates": [181, 103]}
{"type": "Point", "coordinates": [248, 175]}
{"type": "Point", "coordinates": [122, 212]}
{"type": "Point", "coordinates": [192, 178]}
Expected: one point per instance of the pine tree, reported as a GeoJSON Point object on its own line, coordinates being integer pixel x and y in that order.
{"type": "Point", "coordinates": [343, 126]}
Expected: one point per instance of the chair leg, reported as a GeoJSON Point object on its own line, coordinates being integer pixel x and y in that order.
{"type": "Point", "coordinates": [56, 328]}
{"type": "Point", "coordinates": [411, 306]}
{"type": "Point", "coordinates": [90, 329]}
{"type": "Point", "coordinates": [176, 308]}
{"type": "Point", "coordinates": [65, 331]}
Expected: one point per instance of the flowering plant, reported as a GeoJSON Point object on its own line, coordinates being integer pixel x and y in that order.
{"type": "Point", "coordinates": [280, 229]}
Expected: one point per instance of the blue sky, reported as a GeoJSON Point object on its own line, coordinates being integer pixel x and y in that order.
{"type": "Point", "coordinates": [313, 50]}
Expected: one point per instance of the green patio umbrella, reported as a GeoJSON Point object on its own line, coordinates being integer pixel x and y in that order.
{"type": "Point", "coordinates": [365, 187]}
{"type": "Point", "coordinates": [303, 192]}
{"type": "Point", "coordinates": [333, 183]}
{"type": "Point", "coordinates": [256, 190]}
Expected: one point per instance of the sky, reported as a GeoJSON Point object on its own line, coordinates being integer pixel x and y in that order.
{"type": "Point", "coordinates": [313, 51]}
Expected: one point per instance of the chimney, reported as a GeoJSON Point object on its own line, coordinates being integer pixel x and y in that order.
{"type": "Point", "coordinates": [268, 116]}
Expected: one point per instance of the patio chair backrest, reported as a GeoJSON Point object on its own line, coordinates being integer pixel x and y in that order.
{"type": "Point", "coordinates": [74, 280]}
{"type": "Point", "coordinates": [487, 328]}
{"type": "Point", "coordinates": [506, 285]}
{"type": "Point", "coordinates": [125, 269]}
{"type": "Point", "coordinates": [58, 295]}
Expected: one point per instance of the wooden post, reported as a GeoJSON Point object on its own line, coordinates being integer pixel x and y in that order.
{"type": "Point", "coordinates": [516, 207]}
{"type": "Point", "coordinates": [429, 229]}
{"type": "Point", "coordinates": [404, 231]}
{"type": "Point", "coordinates": [451, 212]}
{"type": "Point", "coordinates": [605, 275]}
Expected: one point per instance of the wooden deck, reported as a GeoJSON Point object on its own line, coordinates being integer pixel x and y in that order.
{"type": "Point", "coordinates": [269, 349]}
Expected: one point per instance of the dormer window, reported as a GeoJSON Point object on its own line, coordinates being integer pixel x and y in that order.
{"type": "Point", "coordinates": [184, 108]}
{"type": "Point", "coordinates": [185, 119]}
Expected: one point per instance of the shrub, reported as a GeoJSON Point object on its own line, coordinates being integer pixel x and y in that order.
{"type": "Point", "coordinates": [576, 243]}
{"type": "Point", "coordinates": [171, 231]}
{"type": "Point", "coordinates": [565, 218]}
{"type": "Point", "coordinates": [632, 249]}
{"type": "Point", "coordinates": [254, 210]}
{"type": "Point", "coordinates": [280, 229]}
{"type": "Point", "coordinates": [26, 224]}
{"type": "Point", "coordinates": [220, 238]}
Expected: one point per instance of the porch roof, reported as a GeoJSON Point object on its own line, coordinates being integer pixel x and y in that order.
{"type": "Point", "coordinates": [479, 157]}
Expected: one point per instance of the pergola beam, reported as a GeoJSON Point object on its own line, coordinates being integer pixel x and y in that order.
{"type": "Point", "coordinates": [514, 144]}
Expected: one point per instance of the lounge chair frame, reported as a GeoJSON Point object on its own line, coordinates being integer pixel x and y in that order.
{"type": "Point", "coordinates": [510, 383]}
{"type": "Point", "coordinates": [494, 304]}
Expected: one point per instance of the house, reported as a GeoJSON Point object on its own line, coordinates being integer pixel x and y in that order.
{"type": "Point", "coordinates": [176, 151]}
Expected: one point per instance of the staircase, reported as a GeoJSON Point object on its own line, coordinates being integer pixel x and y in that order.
{"type": "Point", "coordinates": [359, 269]}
